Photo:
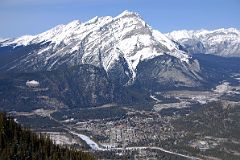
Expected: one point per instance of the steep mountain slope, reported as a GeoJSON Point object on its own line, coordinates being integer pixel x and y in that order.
{"type": "Point", "coordinates": [167, 72]}
{"type": "Point", "coordinates": [222, 42]}
{"type": "Point", "coordinates": [116, 44]}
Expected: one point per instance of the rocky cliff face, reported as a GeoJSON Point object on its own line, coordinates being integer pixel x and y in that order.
{"type": "Point", "coordinates": [166, 72]}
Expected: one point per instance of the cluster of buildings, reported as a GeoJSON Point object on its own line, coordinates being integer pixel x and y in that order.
{"type": "Point", "coordinates": [138, 129]}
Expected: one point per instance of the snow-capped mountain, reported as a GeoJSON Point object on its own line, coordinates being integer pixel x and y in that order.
{"type": "Point", "coordinates": [3, 39]}
{"type": "Point", "coordinates": [223, 42]}
{"type": "Point", "coordinates": [105, 60]}
{"type": "Point", "coordinates": [114, 43]}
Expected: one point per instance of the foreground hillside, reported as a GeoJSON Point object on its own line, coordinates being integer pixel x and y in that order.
{"type": "Point", "coordinates": [19, 143]}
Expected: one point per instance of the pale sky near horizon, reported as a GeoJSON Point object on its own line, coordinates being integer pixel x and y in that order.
{"type": "Point", "coordinates": [21, 17]}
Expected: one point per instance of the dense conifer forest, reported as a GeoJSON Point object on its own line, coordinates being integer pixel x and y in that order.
{"type": "Point", "coordinates": [18, 143]}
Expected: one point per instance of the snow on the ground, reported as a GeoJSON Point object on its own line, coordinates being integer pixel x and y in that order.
{"type": "Point", "coordinates": [88, 140]}
{"type": "Point", "coordinates": [32, 83]}
{"type": "Point", "coordinates": [43, 112]}
{"type": "Point", "coordinates": [159, 107]}
{"type": "Point", "coordinates": [154, 98]}
{"type": "Point", "coordinates": [61, 138]}
{"type": "Point", "coordinates": [222, 88]}
{"type": "Point", "coordinates": [108, 146]}
{"type": "Point", "coordinates": [69, 120]}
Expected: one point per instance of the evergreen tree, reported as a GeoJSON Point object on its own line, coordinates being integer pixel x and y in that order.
{"type": "Point", "coordinates": [17, 143]}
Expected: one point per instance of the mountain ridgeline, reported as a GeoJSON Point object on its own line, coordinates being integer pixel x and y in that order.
{"type": "Point", "coordinates": [19, 143]}
{"type": "Point", "coordinates": [221, 42]}
{"type": "Point", "coordinates": [104, 60]}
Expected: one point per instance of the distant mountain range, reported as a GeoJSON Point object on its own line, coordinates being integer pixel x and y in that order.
{"type": "Point", "coordinates": [221, 42]}
{"type": "Point", "coordinates": [112, 59]}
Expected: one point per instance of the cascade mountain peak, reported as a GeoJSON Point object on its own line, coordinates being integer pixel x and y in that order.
{"type": "Point", "coordinates": [101, 42]}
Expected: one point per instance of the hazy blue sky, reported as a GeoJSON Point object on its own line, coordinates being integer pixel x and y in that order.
{"type": "Point", "coordinates": [20, 17]}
